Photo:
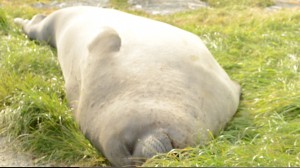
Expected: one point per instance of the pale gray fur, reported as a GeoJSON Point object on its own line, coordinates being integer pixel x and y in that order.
{"type": "Point", "coordinates": [137, 86]}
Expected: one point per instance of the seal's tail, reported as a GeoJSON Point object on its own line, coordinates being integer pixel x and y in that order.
{"type": "Point", "coordinates": [152, 144]}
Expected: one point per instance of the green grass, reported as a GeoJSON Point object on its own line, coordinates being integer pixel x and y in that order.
{"type": "Point", "coordinates": [258, 48]}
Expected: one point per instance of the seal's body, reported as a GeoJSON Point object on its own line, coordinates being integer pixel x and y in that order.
{"type": "Point", "coordinates": [137, 86]}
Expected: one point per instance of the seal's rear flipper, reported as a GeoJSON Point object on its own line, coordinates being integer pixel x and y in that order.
{"type": "Point", "coordinates": [35, 19]}
{"type": "Point", "coordinates": [30, 27]}
{"type": "Point", "coordinates": [20, 21]}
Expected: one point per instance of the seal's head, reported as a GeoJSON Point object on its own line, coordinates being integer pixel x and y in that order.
{"type": "Point", "coordinates": [148, 145]}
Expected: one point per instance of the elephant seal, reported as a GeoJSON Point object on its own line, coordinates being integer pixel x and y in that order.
{"type": "Point", "coordinates": [137, 87]}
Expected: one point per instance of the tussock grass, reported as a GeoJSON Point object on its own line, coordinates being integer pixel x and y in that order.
{"type": "Point", "coordinates": [258, 48]}
{"type": "Point", "coordinates": [33, 109]}
{"type": "Point", "coordinates": [239, 3]}
{"type": "Point", "coordinates": [3, 22]}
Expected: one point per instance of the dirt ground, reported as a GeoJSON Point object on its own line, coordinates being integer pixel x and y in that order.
{"type": "Point", "coordinates": [9, 156]}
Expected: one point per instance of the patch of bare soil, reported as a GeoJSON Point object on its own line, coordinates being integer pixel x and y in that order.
{"type": "Point", "coordinates": [11, 157]}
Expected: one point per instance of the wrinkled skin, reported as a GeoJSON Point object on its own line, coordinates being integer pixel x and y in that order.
{"type": "Point", "coordinates": [137, 86]}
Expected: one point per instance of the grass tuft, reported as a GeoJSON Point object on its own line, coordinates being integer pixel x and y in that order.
{"type": "Point", "coordinates": [239, 3]}
{"type": "Point", "coordinates": [119, 4]}
{"type": "Point", "coordinates": [33, 109]}
{"type": "Point", "coordinates": [4, 26]}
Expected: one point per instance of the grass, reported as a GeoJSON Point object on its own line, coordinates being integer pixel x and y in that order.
{"type": "Point", "coordinates": [257, 47]}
